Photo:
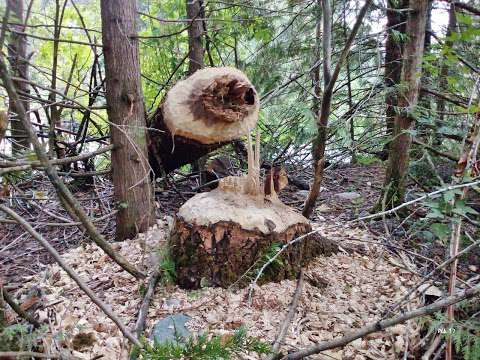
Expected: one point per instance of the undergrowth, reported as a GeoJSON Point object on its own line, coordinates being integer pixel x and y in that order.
{"type": "Point", "coordinates": [19, 337]}
{"type": "Point", "coordinates": [206, 348]}
{"type": "Point", "coordinates": [465, 333]}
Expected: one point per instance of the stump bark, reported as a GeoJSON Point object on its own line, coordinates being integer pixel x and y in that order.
{"type": "Point", "coordinates": [218, 236]}
{"type": "Point", "coordinates": [205, 111]}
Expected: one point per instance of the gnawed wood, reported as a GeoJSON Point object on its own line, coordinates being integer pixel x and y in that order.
{"type": "Point", "coordinates": [207, 110]}
{"type": "Point", "coordinates": [218, 236]}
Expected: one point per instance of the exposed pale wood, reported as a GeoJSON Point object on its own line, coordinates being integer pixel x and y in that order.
{"type": "Point", "coordinates": [207, 110]}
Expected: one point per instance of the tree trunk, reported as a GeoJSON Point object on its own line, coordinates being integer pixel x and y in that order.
{"type": "Point", "coordinates": [397, 169]}
{"type": "Point", "coordinates": [329, 78]}
{"type": "Point", "coordinates": [55, 112]}
{"type": "Point", "coordinates": [126, 113]}
{"type": "Point", "coordinates": [320, 141]}
{"type": "Point", "coordinates": [393, 60]}
{"type": "Point", "coordinates": [444, 71]}
{"type": "Point", "coordinates": [200, 114]}
{"type": "Point", "coordinates": [17, 54]}
{"type": "Point", "coordinates": [196, 52]}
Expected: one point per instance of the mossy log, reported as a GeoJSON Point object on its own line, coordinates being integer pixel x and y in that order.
{"type": "Point", "coordinates": [205, 111]}
{"type": "Point", "coordinates": [218, 236]}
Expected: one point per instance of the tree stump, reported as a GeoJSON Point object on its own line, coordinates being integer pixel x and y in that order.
{"type": "Point", "coordinates": [218, 236]}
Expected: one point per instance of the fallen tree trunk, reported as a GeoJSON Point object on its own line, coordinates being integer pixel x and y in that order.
{"type": "Point", "coordinates": [207, 110]}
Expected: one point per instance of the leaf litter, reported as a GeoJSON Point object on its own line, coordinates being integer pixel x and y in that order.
{"type": "Point", "coordinates": [341, 293]}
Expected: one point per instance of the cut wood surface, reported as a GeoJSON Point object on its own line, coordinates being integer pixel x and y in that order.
{"type": "Point", "coordinates": [218, 236]}
{"type": "Point", "coordinates": [199, 114]}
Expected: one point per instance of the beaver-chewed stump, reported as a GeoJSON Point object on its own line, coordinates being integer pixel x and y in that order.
{"type": "Point", "coordinates": [219, 236]}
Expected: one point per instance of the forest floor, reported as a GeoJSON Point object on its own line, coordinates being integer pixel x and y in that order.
{"type": "Point", "coordinates": [341, 293]}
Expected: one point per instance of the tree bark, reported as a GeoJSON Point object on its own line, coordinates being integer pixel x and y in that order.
{"type": "Point", "coordinates": [397, 169]}
{"type": "Point", "coordinates": [393, 59]}
{"type": "Point", "coordinates": [219, 237]}
{"type": "Point", "coordinates": [196, 52]}
{"type": "Point", "coordinates": [17, 54]}
{"type": "Point", "coordinates": [320, 141]}
{"type": "Point", "coordinates": [444, 71]}
{"type": "Point", "coordinates": [126, 113]}
{"type": "Point", "coordinates": [195, 31]}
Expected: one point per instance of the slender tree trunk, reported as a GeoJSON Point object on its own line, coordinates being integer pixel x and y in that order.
{"type": "Point", "coordinates": [320, 141]}
{"type": "Point", "coordinates": [196, 52]}
{"type": "Point", "coordinates": [397, 169]}
{"type": "Point", "coordinates": [351, 124]}
{"type": "Point", "coordinates": [444, 71]}
{"type": "Point", "coordinates": [17, 53]}
{"type": "Point", "coordinates": [55, 112]}
{"type": "Point", "coordinates": [393, 59]}
{"type": "Point", "coordinates": [425, 101]}
{"type": "Point", "coordinates": [126, 113]}
{"type": "Point", "coordinates": [329, 79]}
{"type": "Point", "coordinates": [317, 86]}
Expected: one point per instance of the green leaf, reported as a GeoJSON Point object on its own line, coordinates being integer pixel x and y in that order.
{"type": "Point", "coordinates": [461, 209]}
{"type": "Point", "coordinates": [440, 230]}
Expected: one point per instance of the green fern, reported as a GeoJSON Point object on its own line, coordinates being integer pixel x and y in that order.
{"type": "Point", "coordinates": [465, 334]}
{"type": "Point", "coordinates": [167, 267]}
{"type": "Point", "coordinates": [203, 348]}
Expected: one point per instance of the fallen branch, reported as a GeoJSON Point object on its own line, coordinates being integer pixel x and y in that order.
{"type": "Point", "coordinates": [288, 319]}
{"type": "Point", "coordinates": [63, 161]}
{"type": "Point", "coordinates": [383, 324]}
{"type": "Point", "coordinates": [142, 313]}
{"type": "Point", "coordinates": [125, 331]}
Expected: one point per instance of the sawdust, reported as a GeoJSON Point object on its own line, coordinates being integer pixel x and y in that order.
{"type": "Point", "coordinates": [341, 293]}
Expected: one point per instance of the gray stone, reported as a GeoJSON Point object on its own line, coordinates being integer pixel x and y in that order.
{"type": "Point", "coordinates": [171, 328]}
{"type": "Point", "coordinates": [348, 195]}
{"type": "Point", "coordinates": [303, 193]}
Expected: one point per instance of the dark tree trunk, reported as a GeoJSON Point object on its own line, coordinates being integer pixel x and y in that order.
{"type": "Point", "coordinates": [393, 59]}
{"type": "Point", "coordinates": [126, 113]}
{"type": "Point", "coordinates": [55, 111]}
{"type": "Point", "coordinates": [17, 53]}
{"type": "Point", "coordinates": [397, 170]}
